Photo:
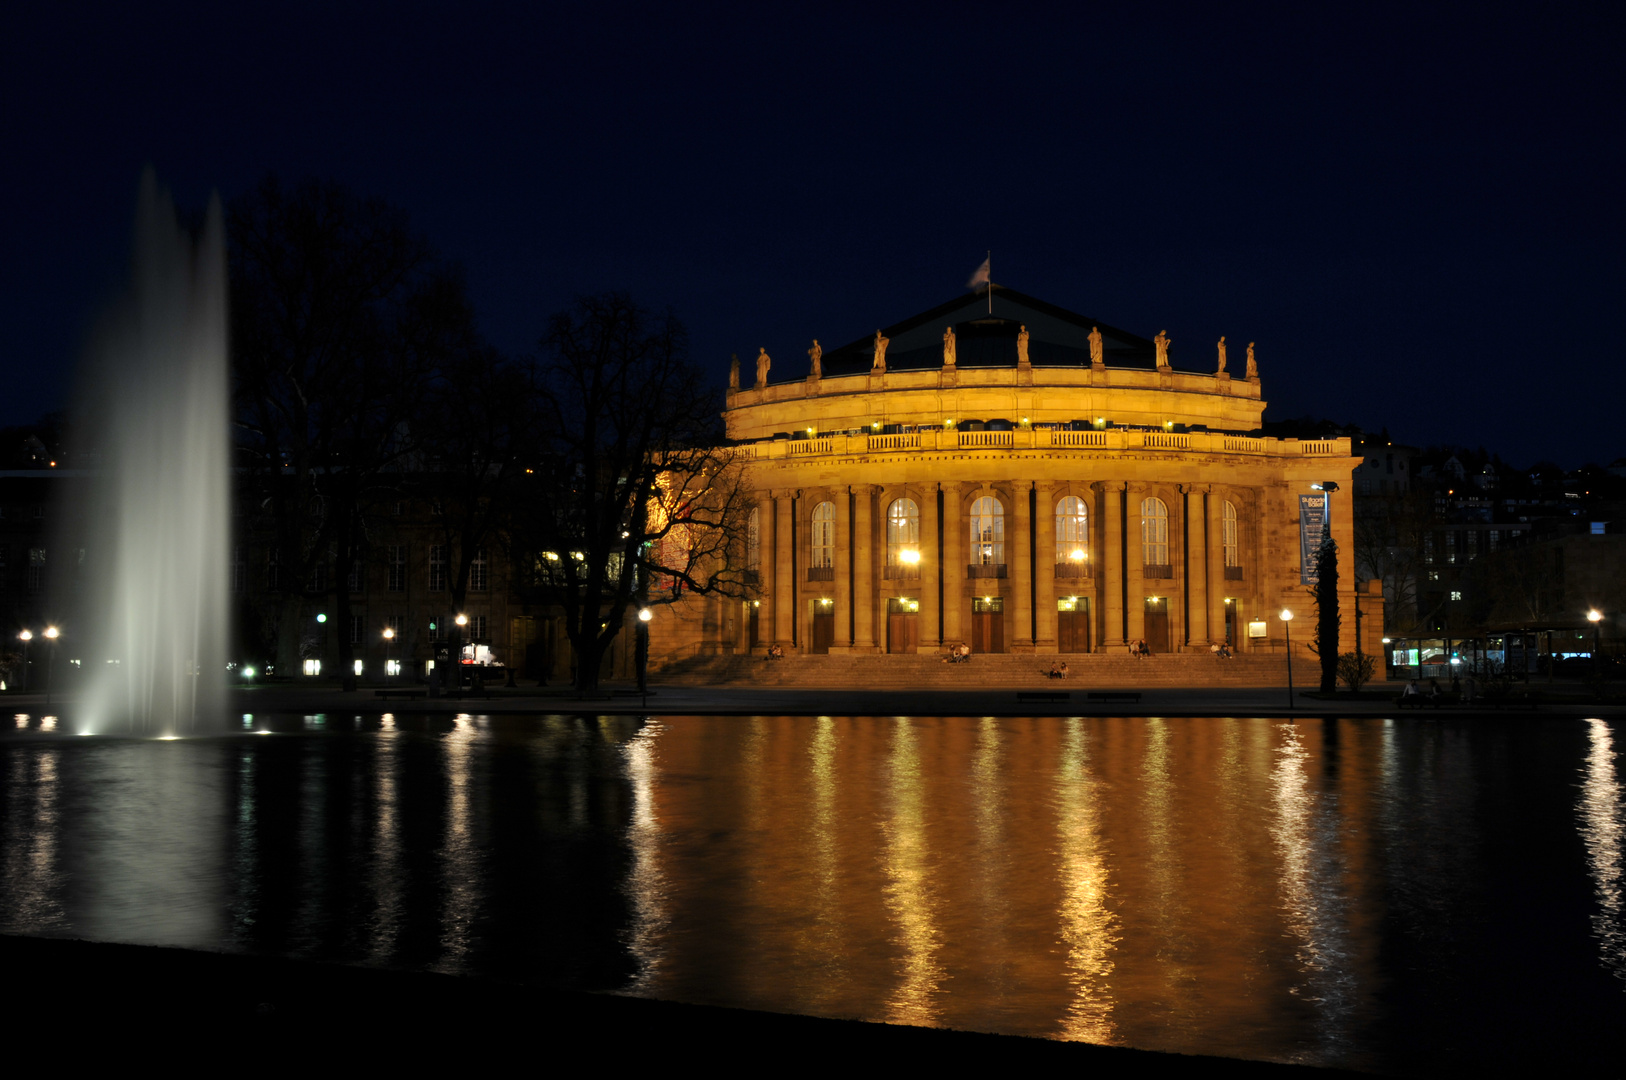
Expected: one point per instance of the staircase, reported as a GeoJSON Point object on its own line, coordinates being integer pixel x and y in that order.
{"type": "Point", "coordinates": [1086, 671]}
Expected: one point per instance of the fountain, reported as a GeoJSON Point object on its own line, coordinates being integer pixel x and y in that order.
{"type": "Point", "coordinates": [156, 518]}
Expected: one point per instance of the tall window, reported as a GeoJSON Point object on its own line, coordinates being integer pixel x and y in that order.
{"type": "Point", "coordinates": [394, 622]}
{"type": "Point", "coordinates": [1233, 558]}
{"type": "Point", "coordinates": [36, 570]}
{"type": "Point", "coordinates": [477, 628]}
{"type": "Point", "coordinates": [1072, 537]}
{"type": "Point", "coordinates": [273, 569]}
{"type": "Point", "coordinates": [753, 544]}
{"type": "Point", "coordinates": [356, 578]}
{"type": "Point", "coordinates": [358, 626]}
{"type": "Point", "coordinates": [477, 572]}
{"type": "Point", "coordinates": [987, 532]}
{"type": "Point", "coordinates": [824, 536]}
{"type": "Point", "coordinates": [1154, 532]}
{"type": "Point", "coordinates": [903, 534]}
{"type": "Point", "coordinates": [397, 567]}
{"type": "Point", "coordinates": [437, 568]}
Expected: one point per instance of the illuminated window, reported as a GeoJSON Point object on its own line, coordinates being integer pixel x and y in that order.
{"type": "Point", "coordinates": [313, 667]}
{"type": "Point", "coordinates": [1154, 532]}
{"type": "Point", "coordinates": [903, 533]}
{"type": "Point", "coordinates": [753, 543]}
{"type": "Point", "coordinates": [824, 535]}
{"type": "Point", "coordinates": [1072, 534]}
{"type": "Point", "coordinates": [987, 532]}
{"type": "Point", "coordinates": [1455, 595]}
{"type": "Point", "coordinates": [1232, 557]}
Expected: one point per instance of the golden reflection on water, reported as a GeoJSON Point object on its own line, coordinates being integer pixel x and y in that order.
{"type": "Point", "coordinates": [1088, 926]}
{"type": "Point", "coordinates": [385, 878]}
{"type": "Point", "coordinates": [910, 890]}
{"type": "Point", "coordinates": [1602, 826]}
{"type": "Point", "coordinates": [459, 854]}
{"type": "Point", "coordinates": [645, 886]}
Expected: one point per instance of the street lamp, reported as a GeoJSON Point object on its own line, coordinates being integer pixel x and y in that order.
{"type": "Point", "coordinates": [26, 636]}
{"type": "Point", "coordinates": [50, 658]}
{"type": "Point", "coordinates": [644, 615]}
{"type": "Point", "coordinates": [1595, 617]}
{"type": "Point", "coordinates": [389, 636]}
{"type": "Point", "coordinates": [457, 649]}
{"type": "Point", "coordinates": [1287, 625]}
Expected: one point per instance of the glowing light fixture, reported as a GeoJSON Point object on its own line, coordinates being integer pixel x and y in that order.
{"type": "Point", "coordinates": [1286, 616]}
{"type": "Point", "coordinates": [644, 615]}
{"type": "Point", "coordinates": [52, 632]}
{"type": "Point", "coordinates": [1077, 555]}
{"type": "Point", "coordinates": [909, 556]}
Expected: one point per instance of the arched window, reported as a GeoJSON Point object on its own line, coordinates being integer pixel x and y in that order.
{"type": "Point", "coordinates": [753, 543]}
{"type": "Point", "coordinates": [1072, 538]}
{"type": "Point", "coordinates": [1228, 540]}
{"type": "Point", "coordinates": [988, 536]}
{"type": "Point", "coordinates": [902, 538]}
{"type": "Point", "coordinates": [1154, 537]}
{"type": "Point", "coordinates": [824, 536]}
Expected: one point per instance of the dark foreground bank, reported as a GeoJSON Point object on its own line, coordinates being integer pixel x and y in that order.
{"type": "Point", "coordinates": [113, 1000]}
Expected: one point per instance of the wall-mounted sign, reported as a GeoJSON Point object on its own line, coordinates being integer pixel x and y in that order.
{"type": "Point", "coordinates": [1258, 629]}
{"type": "Point", "coordinates": [1312, 525]}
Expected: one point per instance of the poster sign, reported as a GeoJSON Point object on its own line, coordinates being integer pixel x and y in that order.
{"type": "Point", "coordinates": [1312, 522]}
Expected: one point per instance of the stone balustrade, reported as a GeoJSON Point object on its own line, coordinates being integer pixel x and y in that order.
{"type": "Point", "coordinates": [1110, 439]}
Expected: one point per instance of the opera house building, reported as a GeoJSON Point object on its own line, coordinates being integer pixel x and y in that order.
{"type": "Point", "coordinates": [1025, 480]}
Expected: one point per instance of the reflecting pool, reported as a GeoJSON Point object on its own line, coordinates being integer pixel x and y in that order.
{"type": "Point", "coordinates": [1400, 895]}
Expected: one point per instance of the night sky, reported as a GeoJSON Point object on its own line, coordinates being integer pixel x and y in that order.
{"type": "Point", "coordinates": [1415, 210]}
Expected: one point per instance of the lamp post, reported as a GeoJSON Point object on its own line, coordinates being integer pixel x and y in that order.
{"type": "Point", "coordinates": [457, 649]}
{"type": "Point", "coordinates": [1287, 624]}
{"type": "Point", "coordinates": [1595, 617]}
{"type": "Point", "coordinates": [25, 637]}
{"type": "Point", "coordinates": [389, 637]}
{"type": "Point", "coordinates": [50, 661]}
{"type": "Point", "coordinates": [644, 615]}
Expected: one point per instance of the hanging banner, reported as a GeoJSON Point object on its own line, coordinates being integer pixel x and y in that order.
{"type": "Point", "coordinates": [1312, 523]}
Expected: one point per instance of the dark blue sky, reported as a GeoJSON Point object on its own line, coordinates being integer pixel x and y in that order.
{"type": "Point", "coordinates": [1414, 210]}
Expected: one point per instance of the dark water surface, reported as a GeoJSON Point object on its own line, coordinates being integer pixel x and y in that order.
{"type": "Point", "coordinates": [1398, 895]}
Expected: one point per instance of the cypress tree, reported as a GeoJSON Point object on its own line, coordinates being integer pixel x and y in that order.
{"type": "Point", "coordinates": [1326, 604]}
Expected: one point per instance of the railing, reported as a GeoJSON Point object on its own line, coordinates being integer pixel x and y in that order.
{"type": "Point", "coordinates": [821, 573]}
{"type": "Point", "coordinates": [985, 570]}
{"type": "Point", "coordinates": [1073, 570]}
{"type": "Point", "coordinates": [1078, 438]}
{"type": "Point", "coordinates": [1319, 446]}
{"type": "Point", "coordinates": [1243, 444]}
{"type": "Point", "coordinates": [894, 442]}
{"type": "Point", "coordinates": [1164, 440]}
{"type": "Point", "coordinates": [985, 438]}
{"type": "Point", "coordinates": [1157, 571]}
{"type": "Point", "coordinates": [900, 573]}
{"type": "Point", "coordinates": [810, 446]}
{"type": "Point", "coordinates": [1233, 573]}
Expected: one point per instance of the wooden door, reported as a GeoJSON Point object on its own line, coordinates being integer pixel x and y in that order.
{"type": "Point", "coordinates": [988, 626]}
{"type": "Point", "coordinates": [753, 620]}
{"type": "Point", "coordinates": [902, 632]}
{"type": "Point", "coordinates": [1157, 625]}
{"type": "Point", "coordinates": [1230, 625]}
{"type": "Point", "coordinates": [824, 631]}
{"type": "Point", "coordinates": [1073, 630]}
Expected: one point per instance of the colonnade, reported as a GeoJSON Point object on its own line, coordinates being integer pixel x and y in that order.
{"type": "Point", "coordinates": [848, 603]}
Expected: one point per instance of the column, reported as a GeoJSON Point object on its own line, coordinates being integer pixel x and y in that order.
{"type": "Point", "coordinates": [1196, 568]}
{"type": "Point", "coordinates": [1018, 557]}
{"type": "Point", "coordinates": [954, 539]}
{"type": "Point", "coordinates": [784, 578]}
{"type": "Point", "coordinates": [1219, 588]}
{"type": "Point", "coordinates": [767, 576]}
{"type": "Point", "coordinates": [931, 561]}
{"type": "Point", "coordinates": [842, 587]}
{"type": "Point", "coordinates": [863, 570]}
{"type": "Point", "coordinates": [1135, 563]}
{"type": "Point", "coordinates": [1111, 551]}
{"type": "Point", "coordinates": [1044, 567]}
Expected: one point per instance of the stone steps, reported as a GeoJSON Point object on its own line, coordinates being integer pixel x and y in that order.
{"type": "Point", "coordinates": [878, 672]}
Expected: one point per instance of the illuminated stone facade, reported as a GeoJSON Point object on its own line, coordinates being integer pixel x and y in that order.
{"type": "Point", "coordinates": [1025, 481]}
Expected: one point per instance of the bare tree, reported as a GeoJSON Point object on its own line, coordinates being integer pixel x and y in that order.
{"type": "Point", "coordinates": [341, 317]}
{"type": "Point", "coordinates": [636, 500]}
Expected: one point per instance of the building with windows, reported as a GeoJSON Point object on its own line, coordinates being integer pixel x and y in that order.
{"type": "Point", "coordinates": [1005, 474]}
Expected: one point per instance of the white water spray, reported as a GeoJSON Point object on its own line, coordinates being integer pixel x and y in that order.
{"type": "Point", "coordinates": [157, 522]}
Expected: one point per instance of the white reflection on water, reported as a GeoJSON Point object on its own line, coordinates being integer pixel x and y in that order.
{"type": "Point", "coordinates": [646, 886]}
{"type": "Point", "coordinates": [33, 878]}
{"type": "Point", "coordinates": [387, 874]}
{"type": "Point", "coordinates": [458, 855]}
{"type": "Point", "coordinates": [1088, 928]}
{"type": "Point", "coordinates": [910, 894]}
{"type": "Point", "coordinates": [1315, 909]}
{"type": "Point", "coordinates": [1601, 828]}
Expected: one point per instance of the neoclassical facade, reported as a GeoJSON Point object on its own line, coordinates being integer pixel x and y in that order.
{"type": "Point", "coordinates": [1020, 479]}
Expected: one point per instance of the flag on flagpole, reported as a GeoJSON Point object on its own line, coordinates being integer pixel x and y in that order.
{"type": "Point", "coordinates": [981, 276]}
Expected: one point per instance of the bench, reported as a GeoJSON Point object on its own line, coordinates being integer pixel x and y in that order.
{"type": "Point", "coordinates": [1043, 695]}
{"type": "Point", "coordinates": [1407, 701]}
{"type": "Point", "coordinates": [1130, 696]}
{"type": "Point", "coordinates": [401, 693]}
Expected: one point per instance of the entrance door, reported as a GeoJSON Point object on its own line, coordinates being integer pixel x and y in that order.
{"type": "Point", "coordinates": [753, 620]}
{"type": "Point", "coordinates": [824, 628]}
{"type": "Point", "coordinates": [988, 625]}
{"type": "Point", "coordinates": [1230, 623]}
{"type": "Point", "coordinates": [1073, 625]}
{"type": "Point", "coordinates": [902, 624]}
{"type": "Point", "coordinates": [1157, 624]}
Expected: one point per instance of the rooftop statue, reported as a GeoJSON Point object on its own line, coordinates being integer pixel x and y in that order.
{"type": "Point", "coordinates": [1097, 358]}
{"type": "Point", "coordinates": [1253, 368]}
{"type": "Point", "coordinates": [816, 354]}
{"type": "Point", "coordinates": [1221, 370]}
{"type": "Point", "coordinates": [764, 362]}
{"type": "Point", "coordinates": [1162, 342]}
{"type": "Point", "coordinates": [881, 342]}
{"type": "Point", "coordinates": [734, 371]}
{"type": "Point", "coordinates": [949, 356]}
{"type": "Point", "coordinates": [1022, 348]}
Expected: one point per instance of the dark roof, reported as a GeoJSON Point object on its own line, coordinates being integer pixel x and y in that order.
{"type": "Point", "coordinates": [1056, 338]}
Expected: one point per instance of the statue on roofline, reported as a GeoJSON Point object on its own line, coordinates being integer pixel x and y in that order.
{"type": "Point", "coordinates": [1022, 347]}
{"type": "Point", "coordinates": [1162, 343]}
{"type": "Point", "coordinates": [1221, 370]}
{"type": "Point", "coordinates": [1253, 368]}
{"type": "Point", "coordinates": [816, 354]}
{"type": "Point", "coordinates": [949, 345]}
{"type": "Point", "coordinates": [764, 362]}
{"type": "Point", "coordinates": [881, 342]}
{"type": "Point", "coordinates": [1097, 359]}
